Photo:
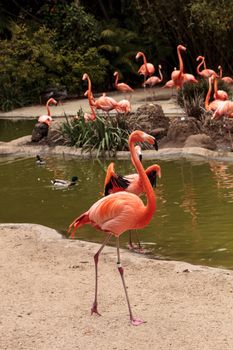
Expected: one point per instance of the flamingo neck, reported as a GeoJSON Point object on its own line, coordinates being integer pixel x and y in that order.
{"type": "Point", "coordinates": [116, 80]}
{"type": "Point", "coordinates": [160, 74]}
{"type": "Point", "coordinates": [48, 109]}
{"type": "Point", "coordinates": [208, 95]}
{"type": "Point", "coordinates": [200, 64]}
{"type": "Point", "coordinates": [89, 83]}
{"type": "Point", "coordinates": [151, 200]}
{"type": "Point", "coordinates": [180, 61]}
{"type": "Point", "coordinates": [216, 88]}
{"type": "Point", "coordinates": [145, 63]}
{"type": "Point", "coordinates": [220, 72]}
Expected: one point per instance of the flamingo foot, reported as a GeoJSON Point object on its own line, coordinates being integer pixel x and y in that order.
{"type": "Point", "coordinates": [136, 321]}
{"type": "Point", "coordinates": [135, 248]}
{"type": "Point", "coordinates": [94, 309]}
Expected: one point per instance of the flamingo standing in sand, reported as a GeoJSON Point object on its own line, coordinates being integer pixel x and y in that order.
{"type": "Point", "coordinates": [46, 118]}
{"type": "Point", "coordinates": [130, 183]}
{"type": "Point", "coordinates": [120, 212]}
{"type": "Point", "coordinates": [122, 87]}
{"type": "Point", "coordinates": [206, 72]}
{"type": "Point", "coordinates": [227, 80]}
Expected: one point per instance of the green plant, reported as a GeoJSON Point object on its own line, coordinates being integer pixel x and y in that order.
{"type": "Point", "coordinates": [103, 135]}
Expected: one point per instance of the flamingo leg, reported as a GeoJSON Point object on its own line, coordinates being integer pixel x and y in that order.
{"type": "Point", "coordinates": [96, 259]}
{"type": "Point", "coordinates": [133, 320]}
{"type": "Point", "coordinates": [131, 245]}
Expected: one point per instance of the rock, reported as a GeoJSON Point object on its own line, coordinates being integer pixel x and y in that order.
{"type": "Point", "coordinates": [200, 140]}
{"type": "Point", "coordinates": [39, 132]}
{"type": "Point", "coordinates": [149, 117]}
{"type": "Point", "coordinates": [181, 128]}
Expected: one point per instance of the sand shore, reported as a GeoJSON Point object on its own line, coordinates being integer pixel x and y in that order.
{"type": "Point", "coordinates": [47, 288]}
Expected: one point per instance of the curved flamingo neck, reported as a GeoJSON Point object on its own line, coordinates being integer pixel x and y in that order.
{"type": "Point", "coordinates": [151, 202]}
{"type": "Point", "coordinates": [47, 108]}
{"type": "Point", "coordinates": [160, 74]}
{"type": "Point", "coordinates": [208, 94]}
{"type": "Point", "coordinates": [200, 64]}
{"type": "Point", "coordinates": [215, 88]}
{"type": "Point", "coordinates": [145, 62]}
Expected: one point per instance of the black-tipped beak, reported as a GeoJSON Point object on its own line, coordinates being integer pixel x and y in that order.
{"type": "Point", "coordinates": [156, 146]}
{"type": "Point", "coordinates": [140, 157]}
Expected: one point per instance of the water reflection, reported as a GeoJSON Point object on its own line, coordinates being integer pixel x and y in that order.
{"type": "Point", "coordinates": [193, 221]}
{"type": "Point", "coordinates": [223, 176]}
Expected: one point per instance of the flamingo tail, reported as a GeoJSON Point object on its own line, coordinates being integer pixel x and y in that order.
{"type": "Point", "coordinates": [78, 222]}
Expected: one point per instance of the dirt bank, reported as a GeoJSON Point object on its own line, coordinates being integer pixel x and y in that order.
{"type": "Point", "coordinates": [47, 286]}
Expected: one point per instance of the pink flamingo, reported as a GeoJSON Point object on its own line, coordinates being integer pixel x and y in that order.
{"type": "Point", "coordinates": [90, 116]}
{"type": "Point", "coordinates": [130, 183]}
{"type": "Point", "coordinates": [225, 109]}
{"type": "Point", "coordinates": [123, 106]}
{"type": "Point", "coordinates": [189, 78]}
{"type": "Point", "coordinates": [205, 73]}
{"type": "Point", "coordinates": [177, 74]}
{"type": "Point", "coordinates": [147, 68]}
{"type": "Point", "coordinates": [105, 103]}
{"type": "Point", "coordinates": [46, 118]}
{"type": "Point", "coordinates": [214, 104]}
{"type": "Point", "coordinates": [152, 81]}
{"type": "Point", "coordinates": [227, 80]}
{"type": "Point", "coordinates": [120, 212]}
{"type": "Point", "coordinates": [89, 90]}
{"type": "Point", "coordinates": [121, 86]}
{"type": "Point", "coordinates": [219, 94]}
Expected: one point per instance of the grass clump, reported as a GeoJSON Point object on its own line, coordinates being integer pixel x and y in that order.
{"type": "Point", "coordinates": [103, 135]}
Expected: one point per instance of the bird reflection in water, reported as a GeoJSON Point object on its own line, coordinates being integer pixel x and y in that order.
{"type": "Point", "coordinates": [223, 176]}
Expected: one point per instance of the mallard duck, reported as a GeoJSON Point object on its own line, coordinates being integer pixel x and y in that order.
{"type": "Point", "coordinates": [64, 183]}
{"type": "Point", "coordinates": [39, 160]}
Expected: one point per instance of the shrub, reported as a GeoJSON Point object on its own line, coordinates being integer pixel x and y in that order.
{"type": "Point", "coordinates": [103, 135]}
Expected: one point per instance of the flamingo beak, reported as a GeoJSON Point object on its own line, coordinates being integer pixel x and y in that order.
{"type": "Point", "coordinates": [156, 146]}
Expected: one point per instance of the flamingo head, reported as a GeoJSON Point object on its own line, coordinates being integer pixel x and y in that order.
{"type": "Point", "coordinates": [139, 54]}
{"type": "Point", "coordinates": [140, 136]}
{"type": "Point", "coordinates": [160, 67]}
{"type": "Point", "coordinates": [51, 101]}
{"type": "Point", "coordinates": [85, 76]}
{"type": "Point", "coordinates": [200, 58]}
{"type": "Point", "coordinates": [219, 67]}
{"type": "Point", "coordinates": [181, 47]}
{"type": "Point", "coordinates": [86, 93]}
{"type": "Point", "coordinates": [115, 73]}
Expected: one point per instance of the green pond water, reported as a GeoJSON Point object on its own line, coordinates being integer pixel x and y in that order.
{"type": "Point", "coordinates": [13, 129]}
{"type": "Point", "coordinates": [193, 221]}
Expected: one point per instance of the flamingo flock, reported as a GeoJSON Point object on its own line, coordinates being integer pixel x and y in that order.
{"type": "Point", "coordinates": [121, 208]}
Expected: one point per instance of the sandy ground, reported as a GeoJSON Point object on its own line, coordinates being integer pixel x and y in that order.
{"type": "Point", "coordinates": [158, 95]}
{"type": "Point", "coordinates": [47, 288]}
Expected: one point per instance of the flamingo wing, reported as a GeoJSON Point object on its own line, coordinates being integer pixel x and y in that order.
{"type": "Point", "coordinates": [114, 182]}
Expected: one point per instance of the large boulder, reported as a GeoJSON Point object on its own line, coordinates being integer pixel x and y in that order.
{"type": "Point", "coordinates": [149, 117]}
{"type": "Point", "coordinates": [39, 132]}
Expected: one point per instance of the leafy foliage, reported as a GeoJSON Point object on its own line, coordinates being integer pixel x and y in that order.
{"type": "Point", "coordinates": [102, 135]}
{"type": "Point", "coordinates": [29, 64]}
